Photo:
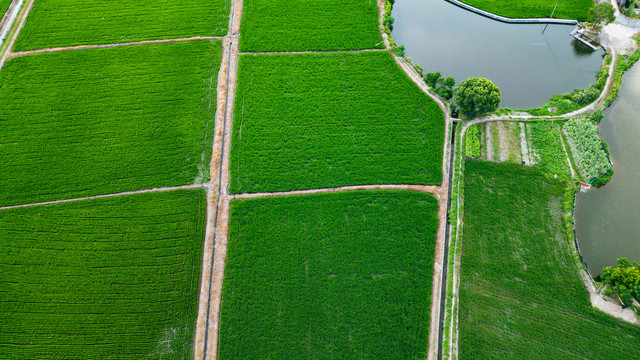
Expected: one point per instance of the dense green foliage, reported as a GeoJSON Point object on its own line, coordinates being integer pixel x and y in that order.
{"type": "Point", "coordinates": [78, 123]}
{"type": "Point", "coordinates": [588, 152]}
{"type": "Point", "coordinates": [575, 10]}
{"type": "Point", "coordinates": [473, 142]}
{"type": "Point", "coordinates": [624, 278]}
{"type": "Point", "coordinates": [345, 275]}
{"type": "Point", "coordinates": [545, 141]}
{"type": "Point", "coordinates": [114, 278]}
{"type": "Point", "coordinates": [477, 96]}
{"type": "Point", "coordinates": [4, 6]}
{"type": "Point", "coordinates": [442, 86]}
{"type": "Point", "coordinates": [520, 294]}
{"type": "Point", "coordinates": [57, 23]}
{"type": "Point", "coordinates": [296, 25]}
{"type": "Point", "coordinates": [323, 120]}
{"type": "Point", "coordinates": [602, 14]}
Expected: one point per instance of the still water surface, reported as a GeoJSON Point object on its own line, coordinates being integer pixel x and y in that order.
{"type": "Point", "coordinates": [608, 218]}
{"type": "Point", "coordinates": [529, 67]}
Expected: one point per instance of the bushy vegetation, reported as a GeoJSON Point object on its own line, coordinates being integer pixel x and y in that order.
{"type": "Point", "coordinates": [323, 120]}
{"type": "Point", "coordinates": [587, 148]}
{"type": "Point", "coordinates": [344, 275]}
{"type": "Point", "coordinates": [545, 141]}
{"type": "Point", "coordinates": [442, 86]}
{"type": "Point", "coordinates": [473, 144]}
{"type": "Point", "coordinates": [297, 25]}
{"type": "Point", "coordinates": [114, 278]}
{"type": "Point", "coordinates": [79, 123]}
{"type": "Point", "coordinates": [520, 294]}
{"type": "Point", "coordinates": [56, 23]}
{"type": "Point", "coordinates": [624, 279]}
{"type": "Point", "coordinates": [602, 14]}
{"type": "Point", "coordinates": [477, 96]}
{"type": "Point", "coordinates": [574, 10]}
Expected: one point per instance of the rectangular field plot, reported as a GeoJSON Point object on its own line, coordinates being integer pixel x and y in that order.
{"type": "Point", "coordinates": [79, 123]}
{"type": "Point", "coordinates": [297, 25]}
{"type": "Point", "coordinates": [521, 296]}
{"type": "Point", "coordinates": [113, 278]}
{"type": "Point", "coordinates": [60, 23]}
{"type": "Point", "coordinates": [342, 276]}
{"type": "Point", "coordinates": [574, 10]}
{"type": "Point", "coordinates": [325, 120]}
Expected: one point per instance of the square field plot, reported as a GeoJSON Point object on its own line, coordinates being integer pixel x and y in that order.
{"type": "Point", "coordinates": [297, 25]}
{"type": "Point", "coordinates": [341, 275]}
{"type": "Point", "coordinates": [79, 123]}
{"type": "Point", "coordinates": [325, 120]}
{"type": "Point", "coordinates": [59, 23]}
{"type": "Point", "coordinates": [521, 296]}
{"type": "Point", "coordinates": [114, 278]}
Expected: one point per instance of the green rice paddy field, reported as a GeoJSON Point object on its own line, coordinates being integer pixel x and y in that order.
{"type": "Point", "coordinates": [114, 278]}
{"type": "Point", "coordinates": [285, 25]}
{"type": "Point", "coordinates": [80, 123]}
{"type": "Point", "coordinates": [324, 120]}
{"type": "Point", "coordinates": [4, 6]}
{"type": "Point", "coordinates": [343, 275]}
{"type": "Point", "coordinates": [520, 293]}
{"type": "Point", "coordinates": [59, 23]}
{"type": "Point", "coordinates": [574, 10]}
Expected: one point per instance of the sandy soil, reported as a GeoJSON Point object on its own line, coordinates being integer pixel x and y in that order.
{"type": "Point", "coordinates": [605, 304]}
{"type": "Point", "coordinates": [619, 38]}
{"type": "Point", "coordinates": [524, 145]}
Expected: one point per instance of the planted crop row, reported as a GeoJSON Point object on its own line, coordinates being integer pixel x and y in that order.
{"type": "Point", "coordinates": [58, 23]}
{"type": "Point", "coordinates": [79, 123]}
{"type": "Point", "coordinates": [546, 142]}
{"type": "Point", "coordinates": [344, 275]}
{"type": "Point", "coordinates": [114, 278]}
{"type": "Point", "coordinates": [587, 148]}
{"type": "Point", "coordinates": [324, 120]}
{"type": "Point", "coordinates": [575, 10]}
{"type": "Point", "coordinates": [296, 25]}
{"type": "Point", "coordinates": [520, 293]}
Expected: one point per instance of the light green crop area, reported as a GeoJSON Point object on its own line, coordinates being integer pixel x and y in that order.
{"type": "Point", "coordinates": [79, 123]}
{"type": "Point", "coordinates": [114, 278]}
{"type": "Point", "coordinates": [58, 23]}
{"type": "Point", "coordinates": [296, 25]}
{"type": "Point", "coordinates": [573, 10]}
{"type": "Point", "coordinates": [521, 296]}
{"type": "Point", "coordinates": [324, 120]}
{"type": "Point", "coordinates": [344, 275]}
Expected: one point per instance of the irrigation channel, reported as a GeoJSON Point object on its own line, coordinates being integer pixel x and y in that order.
{"type": "Point", "coordinates": [528, 66]}
{"type": "Point", "coordinates": [607, 219]}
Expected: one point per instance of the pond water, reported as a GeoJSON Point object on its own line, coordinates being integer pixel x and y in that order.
{"type": "Point", "coordinates": [608, 218]}
{"type": "Point", "coordinates": [528, 66]}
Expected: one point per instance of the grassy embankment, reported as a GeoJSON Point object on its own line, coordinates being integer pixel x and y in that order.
{"type": "Point", "coordinates": [113, 278]}
{"type": "Point", "coordinates": [89, 122]}
{"type": "Point", "coordinates": [520, 292]}
{"type": "Point", "coordinates": [317, 121]}
{"type": "Point", "coordinates": [58, 23]}
{"type": "Point", "coordinates": [574, 10]}
{"type": "Point", "coordinates": [284, 25]}
{"type": "Point", "coordinates": [344, 275]}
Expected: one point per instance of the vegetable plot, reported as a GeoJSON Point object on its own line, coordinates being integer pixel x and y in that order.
{"type": "Point", "coordinates": [58, 23]}
{"type": "Point", "coordinates": [80, 123]}
{"type": "Point", "coordinates": [344, 275]}
{"type": "Point", "coordinates": [114, 278]}
{"type": "Point", "coordinates": [296, 25]}
{"type": "Point", "coordinates": [323, 120]}
{"type": "Point", "coordinates": [591, 158]}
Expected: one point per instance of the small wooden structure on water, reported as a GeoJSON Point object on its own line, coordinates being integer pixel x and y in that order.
{"type": "Point", "coordinates": [586, 37]}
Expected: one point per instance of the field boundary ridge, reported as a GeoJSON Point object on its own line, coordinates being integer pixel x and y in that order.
{"type": "Point", "coordinates": [430, 189]}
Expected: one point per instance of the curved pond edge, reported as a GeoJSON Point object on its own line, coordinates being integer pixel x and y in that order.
{"type": "Point", "coordinates": [510, 20]}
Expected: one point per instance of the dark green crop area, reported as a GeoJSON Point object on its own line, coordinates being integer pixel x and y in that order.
{"type": "Point", "coordinates": [59, 23]}
{"type": "Point", "coordinates": [296, 25]}
{"type": "Point", "coordinates": [79, 123]}
{"type": "Point", "coordinates": [573, 10]}
{"type": "Point", "coordinates": [521, 296]}
{"type": "Point", "coordinates": [4, 6]}
{"type": "Point", "coordinates": [114, 278]}
{"type": "Point", "coordinates": [343, 276]}
{"type": "Point", "coordinates": [324, 120]}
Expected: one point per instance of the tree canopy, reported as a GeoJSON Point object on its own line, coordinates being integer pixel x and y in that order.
{"type": "Point", "coordinates": [477, 96]}
{"type": "Point", "coordinates": [602, 14]}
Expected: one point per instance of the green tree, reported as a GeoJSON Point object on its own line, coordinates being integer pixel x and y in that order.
{"type": "Point", "coordinates": [477, 96]}
{"type": "Point", "coordinates": [602, 14]}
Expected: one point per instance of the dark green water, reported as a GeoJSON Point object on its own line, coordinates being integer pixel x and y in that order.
{"type": "Point", "coordinates": [529, 67]}
{"type": "Point", "coordinates": [608, 219]}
